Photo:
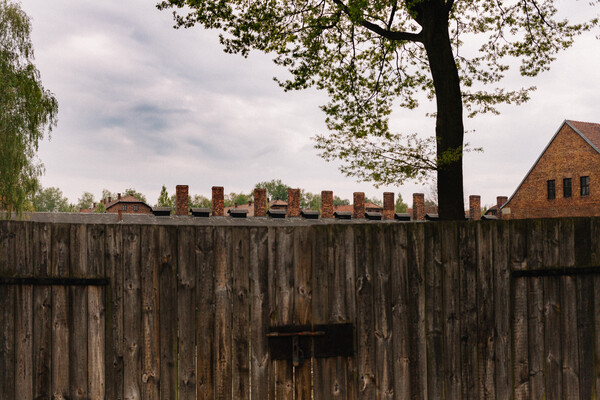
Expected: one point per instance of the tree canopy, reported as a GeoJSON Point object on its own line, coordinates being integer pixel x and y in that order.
{"type": "Point", "coordinates": [27, 109]}
{"type": "Point", "coordinates": [373, 56]}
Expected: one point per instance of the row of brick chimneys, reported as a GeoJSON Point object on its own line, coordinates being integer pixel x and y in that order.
{"type": "Point", "coordinates": [293, 210]}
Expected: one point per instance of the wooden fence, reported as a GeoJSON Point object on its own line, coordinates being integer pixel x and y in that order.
{"type": "Point", "coordinates": [490, 309]}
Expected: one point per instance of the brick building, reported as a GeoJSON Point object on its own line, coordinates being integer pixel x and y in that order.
{"type": "Point", "coordinates": [127, 204]}
{"type": "Point", "coordinates": [565, 179]}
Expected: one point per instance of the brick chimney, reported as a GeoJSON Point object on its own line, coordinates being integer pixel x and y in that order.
{"type": "Point", "coordinates": [293, 203]}
{"type": "Point", "coordinates": [500, 200]}
{"type": "Point", "coordinates": [359, 205]}
{"type": "Point", "coordinates": [181, 200]}
{"type": "Point", "coordinates": [118, 196]}
{"type": "Point", "coordinates": [418, 207]}
{"type": "Point", "coordinates": [475, 207]}
{"type": "Point", "coordinates": [109, 199]}
{"type": "Point", "coordinates": [388, 205]}
{"type": "Point", "coordinates": [326, 204]}
{"type": "Point", "coordinates": [260, 202]}
{"type": "Point", "coordinates": [218, 198]}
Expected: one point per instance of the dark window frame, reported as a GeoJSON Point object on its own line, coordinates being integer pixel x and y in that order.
{"type": "Point", "coordinates": [136, 208]}
{"type": "Point", "coordinates": [567, 187]}
{"type": "Point", "coordinates": [124, 208]}
{"type": "Point", "coordinates": [551, 189]}
{"type": "Point", "coordinates": [584, 186]}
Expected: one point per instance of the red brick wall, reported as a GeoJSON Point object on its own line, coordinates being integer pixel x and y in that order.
{"type": "Point", "coordinates": [142, 208]}
{"type": "Point", "coordinates": [568, 156]}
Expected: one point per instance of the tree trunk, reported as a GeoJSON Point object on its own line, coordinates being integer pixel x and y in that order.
{"type": "Point", "coordinates": [449, 128]}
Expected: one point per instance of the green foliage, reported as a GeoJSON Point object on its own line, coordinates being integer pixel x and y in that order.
{"type": "Point", "coordinates": [337, 201]}
{"type": "Point", "coordinates": [27, 109]}
{"type": "Point", "coordinates": [400, 205]}
{"type": "Point", "coordinates": [371, 57]}
{"type": "Point", "coordinates": [107, 193]}
{"type": "Point", "coordinates": [50, 200]}
{"type": "Point", "coordinates": [137, 195]}
{"type": "Point", "coordinates": [374, 200]}
{"type": "Point", "coordinates": [86, 201]}
{"type": "Point", "coordinates": [100, 208]}
{"type": "Point", "coordinates": [163, 198]}
{"type": "Point", "coordinates": [236, 198]}
{"type": "Point", "coordinates": [199, 201]}
{"type": "Point", "coordinates": [310, 201]}
{"type": "Point", "coordinates": [275, 189]}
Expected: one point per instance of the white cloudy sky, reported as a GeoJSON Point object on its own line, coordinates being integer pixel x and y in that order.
{"type": "Point", "coordinates": [142, 105]}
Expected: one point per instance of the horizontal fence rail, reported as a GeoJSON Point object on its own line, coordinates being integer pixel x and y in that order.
{"type": "Point", "coordinates": [494, 309]}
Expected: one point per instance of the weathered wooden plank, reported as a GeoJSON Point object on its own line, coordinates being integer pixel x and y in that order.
{"type": "Point", "coordinates": [517, 260]}
{"type": "Point", "coordinates": [42, 312]}
{"type": "Point", "coordinates": [302, 248]}
{"type": "Point", "coordinates": [205, 316]}
{"type": "Point", "coordinates": [569, 312]}
{"type": "Point", "coordinates": [502, 312]}
{"type": "Point", "coordinates": [78, 321]}
{"type": "Point", "coordinates": [24, 315]}
{"type": "Point", "coordinates": [133, 342]}
{"type": "Point", "coordinates": [150, 312]}
{"type": "Point", "coordinates": [186, 306]}
{"type": "Point", "coordinates": [259, 311]}
{"type": "Point", "coordinates": [223, 299]}
{"type": "Point", "coordinates": [283, 304]}
{"type": "Point", "coordinates": [96, 314]}
{"type": "Point", "coordinates": [433, 310]}
{"type": "Point", "coordinates": [595, 260]}
{"type": "Point", "coordinates": [60, 312]}
{"type": "Point", "coordinates": [535, 329]}
{"type": "Point", "coordinates": [468, 309]}
{"type": "Point", "coordinates": [486, 312]}
{"type": "Point", "coordinates": [7, 311]}
{"type": "Point", "coordinates": [114, 352]}
{"type": "Point", "coordinates": [365, 324]}
{"type": "Point", "coordinates": [451, 276]}
{"type": "Point", "coordinates": [350, 363]}
{"type": "Point", "coordinates": [241, 318]}
{"type": "Point", "coordinates": [167, 315]}
{"type": "Point", "coordinates": [322, 257]}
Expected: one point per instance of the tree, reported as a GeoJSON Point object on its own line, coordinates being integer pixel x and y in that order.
{"type": "Point", "coordinates": [27, 109]}
{"type": "Point", "coordinates": [199, 201]}
{"type": "Point", "coordinates": [371, 56]}
{"type": "Point", "coordinates": [51, 200]}
{"type": "Point", "coordinates": [374, 200]}
{"type": "Point", "coordinates": [236, 198]}
{"type": "Point", "coordinates": [310, 201]}
{"type": "Point", "coordinates": [275, 189]}
{"type": "Point", "coordinates": [86, 201]}
{"type": "Point", "coordinates": [137, 195]}
{"type": "Point", "coordinates": [337, 201]}
{"type": "Point", "coordinates": [163, 198]}
{"type": "Point", "coordinates": [400, 206]}
{"type": "Point", "coordinates": [107, 193]}
{"type": "Point", "coordinates": [100, 208]}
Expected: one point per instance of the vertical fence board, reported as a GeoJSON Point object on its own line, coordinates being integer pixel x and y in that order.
{"type": "Point", "coordinates": [433, 311]}
{"type": "Point", "coordinates": [114, 352]}
{"type": "Point", "coordinates": [485, 309]}
{"type": "Point", "coordinates": [502, 314]}
{"type": "Point", "coordinates": [150, 313]}
{"type": "Point", "coordinates": [569, 313]}
{"type": "Point", "coordinates": [167, 310]}
{"type": "Point", "coordinates": [259, 379]}
{"type": "Point", "coordinates": [7, 311]}
{"type": "Point", "coordinates": [42, 312]}
{"type": "Point", "coordinates": [468, 309]}
{"type": "Point", "coordinates": [518, 255]}
{"type": "Point", "coordinates": [241, 313]}
{"type": "Point", "coordinates": [322, 244]}
{"type": "Point", "coordinates": [350, 309]}
{"type": "Point", "coordinates": [78, 312]}
{"type": "Point", "coordinates": [595, 260]}
{"type": "Point", "coordinates": [205, 316]}
{"type": "Point", "coordinates": [132, 313]}
{"type": "Point", "coordinates": [535, 302]}
{"type": "Point", "coordinates": [451, 311]}
{"type": "Point", "coordinates": [302, 305]}
{"type": "Point", "coordinates": [186, 311]}
{"type": "Point", "coordinates": [60, 312]}
{"type": "Point", "coordinates": [23, 317]}
{"type": "Point", "coordinates": [96, 314]}
{"type": "Point", "coordinates": [222, 335]}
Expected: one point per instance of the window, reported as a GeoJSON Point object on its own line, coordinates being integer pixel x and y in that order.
{"type": "Point", "coordinates": [567, 192]}
{"type": "Point", "coordinates": [136, 208]}
{"type": "Point", "coordinates": [124, 208]}
{"type": "Point", "coordinates": [584, 185]}
{"type": "Point", "coordinates": [551, 190]}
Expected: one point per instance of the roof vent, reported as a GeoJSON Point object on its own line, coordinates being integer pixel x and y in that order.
{"type": "Point", "coordinates": [237, 212]}
{"type": "Point", "coordinates": [342, 214]}
{"type": "Point", "coordinates": [432, 217]}
{"type": "Point", "coordinates": [200, 212]}
{"type": "Point", "coordinates": [276, 213]}
{"type": "Point", "coordinates": [161, 211]}
{"type": "Point", "coordinates": [489, 218]}
{"type": "Point", "coordinates": [373, 216]}
{"type": "Point", "coordinates": [309, 214]}
{"type": "Point", "coordinates": [402, 216]}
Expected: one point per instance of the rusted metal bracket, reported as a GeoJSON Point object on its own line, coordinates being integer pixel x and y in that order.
{"type": "Point", "coordinates": [297, 343]}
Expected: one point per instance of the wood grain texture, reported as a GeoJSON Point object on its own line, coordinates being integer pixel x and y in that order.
{"type": "Point", "coordinates": [24, 315]}
{"type": "Point", "coordinates": [7, 311]}
{"type": "Point", "coordinates": [302, 249]}
{"type": "Point", "coordinates": [223, 320]}
{"type": "Point", "coordinates": [205, 316]}
{"type": "Point", "coordinates": [259, 357]}
{"type": "Point", "coordinates": [241, 313]}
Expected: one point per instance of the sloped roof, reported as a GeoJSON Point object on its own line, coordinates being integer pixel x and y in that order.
{"type": "Point", "coordinates": [124, 199]}
{"type": "Point", "coordinates": [350, 207]}
{"type": "Point", "coordinates": [589, 131]}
